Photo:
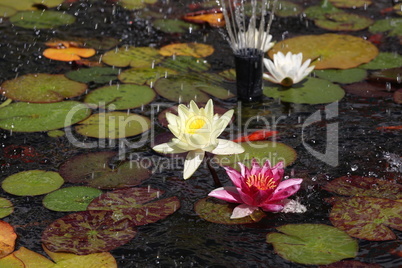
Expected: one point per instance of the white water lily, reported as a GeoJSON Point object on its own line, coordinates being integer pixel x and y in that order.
{"type": "Point", "coordinates": [287, 70]}
{"type": "Point", "coordinates": [253, 38]}
{"type": "Point", "coordinates": [196, 131]}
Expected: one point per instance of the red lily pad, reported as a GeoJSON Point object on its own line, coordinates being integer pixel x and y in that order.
{"type": "Point", "coordinates": [393, 75]}
{"type": "Point", "coordinates": [364, 186]}
{"type": "Point", "coordinates": [94, 170]}
{"type": "Point", "coordinates": [343, 21]}
{"type": "Point", "coordinates": [368, 218]}
{"type": "Point", "coordinates": [136, 205]}
{"type": "Point", "coordinates": [312, 244]}
{"type": "Point", "coordinates": [398, 96]}
{"type": "Point", "coordinates": [368, 90]}
{"type": "Point", "coordinates": [219, 211]}
{"type": "Point", "coordinates": [42, 88]}
{"type": "Point", "coordinates": [87, 232]}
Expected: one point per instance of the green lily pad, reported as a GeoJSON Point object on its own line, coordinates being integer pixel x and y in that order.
{"type": "Point", "coordinates": [364, 186]}
{"type": "Point", "coordinates": [132, 56]}
{"type": "Point", "coordinates": [393, 75]}
{"type": "Point", "coordinates": [391, 25]}
{"type": "Point", "coordinates": [94, 169]}
{"type": "Point", "coordinates": [312, 244]}
{"type": "Point", "coordinates": [261, 151]}
{"type": "Point", "coordinates": [120, 97]}
{"type": "Point", "coordinates": [6, 207]}
{"type": "Point", "coordinates": [28, 4]}
{"type": "Point", "coordinates": [145, 75]}
{"type": "Point", "coordinates": [136, 204]}
{"type": "Point", "coordinates": [113, 125]}
{"type": "Point", "coordinates": [33, 117]}
{"type": "Point", "coordinates": [6, 11]}
{"type": "Point", "coordinates": [99, 75]}
{"type": "Point", "coordinates": [42, 88]}
{"type": "Point", "coordinates": [343, 21]}
{"type": "Point", "coordinates": [87, 232]}
{"type": "Point", "coordinates": [75, 198]}
{"type": "Point", "coordinates": [41, 19]}
{"type": "Point", "coordinates": [368, 218]}
{"type": "Point", "coordinates": [312, 91]}
{"type": "Point", "coordinates": [330, 51]}
{"type": "Point", "coordinates": [321, 11]}
{"type": "Point", "coordinates": [219, 211]}
{"type": "Point", "coordinates": [184, 64]}
{"type": "Point", "coordinates": [351, 4]}
{"type": "Point", "coordinates": [56, 133]}
{"type": "Point", "coordinates": [135, 4]}
{"type": "Point", "coordinates": [283, 8]}
{"type": "Point", "coordinates": [342, 76]}
{"type": "Point", "coordinates": [32, 182]}
{"type": "Point", "coordinates": [174, 26]}
{"type": "Point", "coordinates": [183, 89]}
{"type": "Point", "coordinates": [384, 60]}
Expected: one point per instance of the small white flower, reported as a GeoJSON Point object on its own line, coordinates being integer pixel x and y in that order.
{"type": "Point", "coordinates": [252, 38]}
{"type": "Point", "coordinates": [287, 70]}
{"type": "Point", "coordinates": [196, 131]}
{"type": "Point", "coordinates": [292, 206]}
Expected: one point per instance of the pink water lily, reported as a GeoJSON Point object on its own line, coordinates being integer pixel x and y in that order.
{"type": "Point", "coordinates": [258, 187]}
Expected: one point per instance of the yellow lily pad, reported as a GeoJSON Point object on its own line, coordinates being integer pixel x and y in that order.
{"type": "Point", "coordinates": [329, 51]}
{"type": "Point", "coordinates": [351, 4]}
{"type": "Point", "coordinates": [113, 125]}
{"type": "Point", "coordinates": [11, 261]}
{"type": "Point", "coordinates": [187, 49]}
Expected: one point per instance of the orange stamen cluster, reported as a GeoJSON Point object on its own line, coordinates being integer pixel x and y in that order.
{"type": "Point", "coordinates": [261, 182]}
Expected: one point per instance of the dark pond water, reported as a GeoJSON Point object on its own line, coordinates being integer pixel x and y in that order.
{"type": "Point", "coordinates": [184, 239]}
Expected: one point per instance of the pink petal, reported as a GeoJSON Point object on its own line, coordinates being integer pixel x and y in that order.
{"type": "Point", "coordinates": [228, 193]}
{"type": "Point", "coordinates": [242, 211]}
{"type": "Point", "coordinates": [255, 167]}
{"type": "Point", "coordinates": [243, 170]}
{"type": "Point", "coordinates": [286, 189]}
{"type": "Point", "coordinates": [272, 207]}
{"type": "Point", "coordinates": [235, 176]}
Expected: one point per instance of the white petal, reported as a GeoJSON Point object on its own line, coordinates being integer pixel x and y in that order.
{"type": "Point", "coordinates": [168, 148]}
{"type": "Point", "coordinates": [171, 118]}
{"type": "Point", "coordinates": [242, 211]}
{"type": "Point", "coordinates": [226, 147]}
{"type": "Point", "coordinates": [193, 161]}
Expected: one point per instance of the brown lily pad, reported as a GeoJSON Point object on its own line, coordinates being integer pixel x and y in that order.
{"type": "Point", "coordinates": [368, 218]}
{"type": "Point", "coordinates": [94, 170]}
{"type": "Point", "coordinates": [187, 49]}
{"type": "Point", "coordinates": [219, 211]}
{"type": "Point", "coordinates": [330, 51]}
{"type": "Point", "coordinates": [136, 204]}
{"type": "Point", "coordinates": [42, 88]}
{"type": "Point", "coordinates": [368, 90]}
{"type": "Point", "coordinates": [87, 232]}
{"type": "Point", "coordinates": [364, 186]}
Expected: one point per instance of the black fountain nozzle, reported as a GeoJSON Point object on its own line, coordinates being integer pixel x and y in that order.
{"type": "Point", "coordinates": [249, 72]}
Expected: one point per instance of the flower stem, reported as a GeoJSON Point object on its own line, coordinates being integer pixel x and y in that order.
{"type": "Point", "coordinates": [213, 173]}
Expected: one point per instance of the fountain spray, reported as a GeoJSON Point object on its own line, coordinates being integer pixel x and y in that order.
{"type": "Point", "coordinates": [249, 44]}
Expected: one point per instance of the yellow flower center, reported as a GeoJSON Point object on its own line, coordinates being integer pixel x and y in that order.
{"type": "Point", "coordinates": [261, 182]}
{"type": "Point", "coordinates": [194, 124]}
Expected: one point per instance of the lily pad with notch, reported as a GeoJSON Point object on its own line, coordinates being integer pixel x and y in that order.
{"type": "Point", "coordinates": [310, 91]}
{"type": "Point", "coordinates": [32, 182]}
{"type": "Point", "coordinates": [136, 204]}
{"type": "Point", "coordinates": [342, 76]}
{"type": "Point", "coordinates": [364, 186]}
{"type": "Point", "coordinates": [219, 211]}
{"type": "Point", "coordinates": [94, 170]}
{"type": "Point", "coordinates": [121, 97]}
{"type": "Point", "coordinates": [145, 75]}
{"type": "Point", "coordinates": [75, 198]}
{"type": "Point", "coordinates": [99, 75]}
{"type": "Point", "coordinates": [41, 19]}
{"type": "Point", "coordinates": [34, 117]}
{"type": "Point", "coordinates": [342, 21]}
{"type": "Point", "coordinates": [113, 125]}
{"type": "Point", "coordinates": [312, 244]}
{"type": "Point", "coordinates": [368, 218]}
{"type": "Point", "coordinates": [43, 88]}
{"type": "Point", "coordinates": [132, 56]}
{"type": "Point", "coordinates": [261, 151]}
{"type": "Point", "coordinates": [334, 51]}
{"type": "Point", "coordinates": [87, 232]}
{"type": "Point", "coordinates": [29, 4]}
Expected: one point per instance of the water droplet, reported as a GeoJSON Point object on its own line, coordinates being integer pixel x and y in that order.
{"type": "Point", "coordinates": [354, 167]}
